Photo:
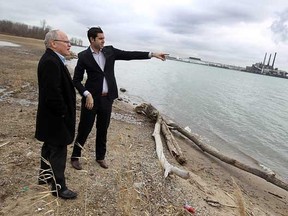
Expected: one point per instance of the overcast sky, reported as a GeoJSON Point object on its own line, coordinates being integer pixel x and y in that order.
{"type": "Point", "coordinates": [226, 31]}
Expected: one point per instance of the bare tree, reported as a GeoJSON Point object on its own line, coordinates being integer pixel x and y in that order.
{"type": "Point", "coordinates": [43, 24]}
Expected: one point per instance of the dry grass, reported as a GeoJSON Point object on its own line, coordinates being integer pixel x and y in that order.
{"type": "Point", "coordinates": [17, 62]}
{"type": "Point", "coordinates": [29, 43]}
{"type": "Point", "coordinates": [44, 201]}
{"type": "Point", "coordinates": [240, 199]}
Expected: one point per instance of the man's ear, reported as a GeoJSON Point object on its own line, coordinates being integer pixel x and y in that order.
{"type": "Point", "coordinates": [52, 44]}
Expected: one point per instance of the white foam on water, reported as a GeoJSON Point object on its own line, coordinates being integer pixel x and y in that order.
{"type": "Point", "coordinates": [267, 169]}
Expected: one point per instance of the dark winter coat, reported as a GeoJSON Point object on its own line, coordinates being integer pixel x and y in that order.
{"type": "Point", "coordinates": [56, 115]}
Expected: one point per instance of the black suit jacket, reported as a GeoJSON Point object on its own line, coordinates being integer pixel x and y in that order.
{"type": "Point", "coordinates": [95, 75]}
{"type": "Point", "coordinates": [56, 115]}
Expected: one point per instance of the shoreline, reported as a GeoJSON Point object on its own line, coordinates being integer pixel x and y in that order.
{"type": "Point", "coordinates": [233, 152]}
{"type": "Point", "coordinates": [126, 97]}
{"type": "Point", "coordinates": [134, 185]}
{"type": "Point", "coordinates": [195, 108]}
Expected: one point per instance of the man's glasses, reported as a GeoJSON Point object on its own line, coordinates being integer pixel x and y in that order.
{"type": "Point", "coordinates": [64, 41]}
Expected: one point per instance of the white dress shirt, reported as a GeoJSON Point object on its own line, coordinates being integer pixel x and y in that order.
{"type": "Point", "coordinates": [100, 59]}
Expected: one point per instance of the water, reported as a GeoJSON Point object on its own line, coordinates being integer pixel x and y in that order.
{"type": "Point", "coordinates": [241, 114]}
{"type": "Point", "coordinates": [4, 43]}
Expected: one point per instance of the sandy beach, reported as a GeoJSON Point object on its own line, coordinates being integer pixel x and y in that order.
{"type": "Point", "coordinates": [134, 184]}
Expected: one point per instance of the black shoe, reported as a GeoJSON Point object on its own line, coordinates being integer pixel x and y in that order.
{"type": "Point", "coordinates": [65, 194]}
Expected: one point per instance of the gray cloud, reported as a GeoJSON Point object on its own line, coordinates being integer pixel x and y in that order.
{"type": "Point", "coordinates": [187, 20]}
{"type": "Point", "coordinates": [236, 32]}
{"type": "Point", "coordinates": [279, 27]}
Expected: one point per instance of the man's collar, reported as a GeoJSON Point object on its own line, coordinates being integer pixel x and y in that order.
{"type": "Point", "coordinates": [63, 59]}
{"type": "Point", "coordinates": [95, 51]}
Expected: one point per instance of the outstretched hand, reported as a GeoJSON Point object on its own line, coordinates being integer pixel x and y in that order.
{"type": "Point", "coordinates": [161, 56]}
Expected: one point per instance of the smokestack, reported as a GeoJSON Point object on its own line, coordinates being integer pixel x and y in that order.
{"type": "Point", "coordinates": [264, 58]}
{"type": "Point", "coordinates": [274, 60]}
{"type": "Point", "coordinates": [269, 60]}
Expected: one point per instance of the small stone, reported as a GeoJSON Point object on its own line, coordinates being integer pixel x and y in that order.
{"type": "Point", "coordinates": [122, 89]}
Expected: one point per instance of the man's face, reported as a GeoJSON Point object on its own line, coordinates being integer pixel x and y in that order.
{"type": "Point", "coordinates": [62, 44]}
{"type": "Point", "coordinates": [98, 42]}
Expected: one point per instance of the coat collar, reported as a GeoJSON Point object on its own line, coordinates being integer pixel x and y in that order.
{"type": "Point", "coordinates": [53, 53]}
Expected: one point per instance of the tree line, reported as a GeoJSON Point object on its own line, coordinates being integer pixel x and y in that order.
{"type": "Point", "coordinates": [24, 30]}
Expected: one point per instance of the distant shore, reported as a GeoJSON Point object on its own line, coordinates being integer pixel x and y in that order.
{"type": "Point", "coordinates": [248, 69]}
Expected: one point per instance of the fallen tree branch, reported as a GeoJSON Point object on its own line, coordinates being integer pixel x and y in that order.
{"type": "Point", "coordinates": [268, 176]}
{"type": "Point", "coordinates": [173, 147]}
{"type": "Point", "coordinates": [152, 113]}
{"type": "Point", "coordinates": [148, 110]}
{"type": "Point", "coordinates": [168, 168]}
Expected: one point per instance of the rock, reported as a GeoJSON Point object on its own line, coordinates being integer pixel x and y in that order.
{"type": "Point", "coordinates": [123, 90]}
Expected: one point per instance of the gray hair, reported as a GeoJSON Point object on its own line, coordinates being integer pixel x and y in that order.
{"type": "Point", "coordinates": [51, 35]}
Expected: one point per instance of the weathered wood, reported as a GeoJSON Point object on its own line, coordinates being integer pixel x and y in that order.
{"type": "Point", "coordinates": [152, 113]}
{"type": "Point", "coordinates": [269, 176]}
{"type": "Point", "coordinates": [172, 144]}
{"type": "Point", "coordinates": [148, 110]}
{"type": "Point", "coordinates": [168, 168]}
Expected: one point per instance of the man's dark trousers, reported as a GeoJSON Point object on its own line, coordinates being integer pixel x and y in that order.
{"type": "Point", "coordinates": [102, 111]}
{"type": "Point", "coordinates": [56, 155]}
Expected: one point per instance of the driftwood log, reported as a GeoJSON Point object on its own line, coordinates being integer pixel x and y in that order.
{"type": "Point", "coordinates": [173, 146]}
{"type": "Point", "coordinates": [267, 175]}
{"type": "Point", "coordinates": [154, 115]}
{"type": "Point", "coordinates": [168, 168]}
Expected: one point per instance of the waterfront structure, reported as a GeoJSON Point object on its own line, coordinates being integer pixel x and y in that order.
{"type": "Point", "coordinates": [267, 69]}
{"type": "Point", "coordinates": [258, 68]}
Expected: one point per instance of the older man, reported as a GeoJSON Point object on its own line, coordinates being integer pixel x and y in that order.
{"type": "Point", "coordinates": [56, 115]}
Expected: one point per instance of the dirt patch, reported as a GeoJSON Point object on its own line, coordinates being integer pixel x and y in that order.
{"type": "Point", "coordinates": [133, 184]}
